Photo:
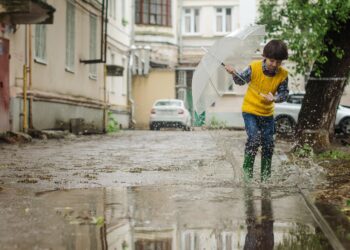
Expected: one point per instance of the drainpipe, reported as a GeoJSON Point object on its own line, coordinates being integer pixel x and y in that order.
{"type": "Point", "coordinates": [25, 115]}
{"type": "Point", "coordinates": [102, 59]}
{"type": "Point", "coordinates": [130, 99]}
{"type": "Point", "coordinates": [180, 49]}
{"type": "Point", "coordinates": [30, 56]}
{"type": "Point", "coordinates": [105, 116]}
{"type": "Point", "coordinates": [24, 89]}
{"type": "Point", "coordinates": [131, 62]}
{"type": "Point", "coordinates": [179, 28]}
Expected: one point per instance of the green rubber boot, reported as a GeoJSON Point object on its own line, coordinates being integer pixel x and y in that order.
{"type": "Point", "coordinates": [265, 169]}
{"type": "Point", "coordinates": [248, 165]}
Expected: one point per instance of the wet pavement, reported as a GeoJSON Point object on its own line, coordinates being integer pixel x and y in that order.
{"type": "Point", "coordinates": [171, 217]}
{"type": "Point", "coordinates": [151, 190]}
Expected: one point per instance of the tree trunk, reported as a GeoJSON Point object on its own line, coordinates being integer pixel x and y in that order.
{"type": "Point", "coordinates": [318, 112]}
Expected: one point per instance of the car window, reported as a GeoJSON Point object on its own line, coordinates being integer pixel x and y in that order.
{"type": "Point", "coordinates": [168, 103]}
{"type": "Point", "coordinates": [296, 99]}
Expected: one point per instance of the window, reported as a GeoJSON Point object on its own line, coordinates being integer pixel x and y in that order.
{"type": "Point", "coordinates": [70, 36]}
{"type": "Point", "coordinates": [191, 20]}
{"type": "Point", "coordinates": [112, 8]}
{"type": "Point", "coordinates": [40, 43]}
{"type": "Point", "coordinates": [168, 103]}
{"type": "Point", "coordinates": [123, 9]}
{"type": "Point", "coordinates": [153, 12]}
{"type": "Point", "coordinates": [295, 98]}
{"type": "Point", "coordinates": [93, 45]}
{"type": "Point", "coordinates": [223, 20]}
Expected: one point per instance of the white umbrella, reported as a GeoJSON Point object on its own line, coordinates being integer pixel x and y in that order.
{"type": "Point", "coordinates": [210, 79]}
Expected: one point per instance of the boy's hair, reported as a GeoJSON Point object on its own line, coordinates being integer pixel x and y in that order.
{"type": "Point", "coordinates": [276, 49]}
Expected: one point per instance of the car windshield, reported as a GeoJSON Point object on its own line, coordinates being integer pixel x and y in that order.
{"type": "Point", "coordinates": [168, 103]}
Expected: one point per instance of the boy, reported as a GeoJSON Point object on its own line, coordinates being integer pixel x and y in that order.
{"type": "Point", "coordinates": [268, 83]}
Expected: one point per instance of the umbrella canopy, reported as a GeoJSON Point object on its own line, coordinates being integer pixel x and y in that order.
{"type": "Point", "coordinates": [210, 79]}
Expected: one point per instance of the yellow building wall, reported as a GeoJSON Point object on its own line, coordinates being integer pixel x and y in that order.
{"type": "Point", "coordinates": [159, 84]}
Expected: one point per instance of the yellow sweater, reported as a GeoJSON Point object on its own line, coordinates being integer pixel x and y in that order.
{"type": "Point", "coordinates": [253, 102]}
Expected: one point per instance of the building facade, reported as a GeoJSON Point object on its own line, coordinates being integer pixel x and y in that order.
{"type": "Point", "coordinates": [119, 37]}
{"type": "Point", "coordinates": [57, 77]}
{"type": "Point", "coordinates": [14, 52]}
{"type": "Point", "coordinates": [155, 55]}
{"type": "Point", "coordinates": [203, 23]}
{"type": "Point", "coordinates": [87, 61]}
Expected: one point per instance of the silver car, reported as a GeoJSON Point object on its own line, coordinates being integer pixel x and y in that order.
{"type": "Point", "coordinates": [169, 113]}
{"type": "Point", "coordinates": [286, 115]}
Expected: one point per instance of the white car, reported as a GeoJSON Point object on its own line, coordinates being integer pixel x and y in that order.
{"type": "Point", "coordinates": [286, 115]}
{"type": "Point", "coordinates": [169, 113]}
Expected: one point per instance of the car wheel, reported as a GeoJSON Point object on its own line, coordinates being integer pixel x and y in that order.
{"type": "Point", "coordinates": [284, 125]}
{"type": "Point", "coordinates": [154, 126]}
{"type": "Point", "coordinates": [186, 128]}
{"type": "Point", "coordinates": [345, 126]}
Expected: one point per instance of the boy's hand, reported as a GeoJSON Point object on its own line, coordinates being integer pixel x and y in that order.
{"type": "Point", "coordinates": [269, 97]}
{"type": "Point", "coordinates": [230, 69]}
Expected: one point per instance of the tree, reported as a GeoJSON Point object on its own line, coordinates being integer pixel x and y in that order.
{"type": "Point", "coordinates": [318, 34]}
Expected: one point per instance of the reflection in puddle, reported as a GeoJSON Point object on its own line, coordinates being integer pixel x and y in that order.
{"type": "Point", "coordinates": [303, 237]}
{"type": "Point", "coordinates": [259, 224]}
{"type": "Point", "coordinates": [207, 219]}
{"type": "Point", "coordinates": [188, 218]}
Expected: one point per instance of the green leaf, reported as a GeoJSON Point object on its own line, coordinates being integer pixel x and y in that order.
{"type": "Point", "coordinates": [294, 22]}
{"type": "Point", "coordinates": [99, 221]}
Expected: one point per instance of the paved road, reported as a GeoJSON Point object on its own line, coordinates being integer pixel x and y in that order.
{"type": "Point", "coordinates": [127, 158]}
{"type": "Point", "coordinates": [165, 188]}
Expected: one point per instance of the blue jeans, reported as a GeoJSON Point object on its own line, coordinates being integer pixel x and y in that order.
{"type": "Point", "coordinates": [260, 130]}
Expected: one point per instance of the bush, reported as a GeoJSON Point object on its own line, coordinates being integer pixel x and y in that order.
{"type": "Point", "coordinates": [304, 151]}
{"type": "Point", "coordinates": [216, 123]}
{"type": "Point", "coordinates": [112, 124]}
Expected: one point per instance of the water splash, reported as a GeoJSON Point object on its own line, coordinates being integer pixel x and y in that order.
{"type": "Point", "coordinates": [287, 169]}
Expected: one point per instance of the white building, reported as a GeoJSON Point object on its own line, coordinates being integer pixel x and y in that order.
{"type": "Point", "coordinates": [203, 23]}
{"type": "Point", "coordinates": [120, 26]}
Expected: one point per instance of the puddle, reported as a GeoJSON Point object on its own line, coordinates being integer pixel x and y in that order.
{"type": "Point", "coordinates": [168, 217]}
{"type": "Point", "coordinates": [337, 220]}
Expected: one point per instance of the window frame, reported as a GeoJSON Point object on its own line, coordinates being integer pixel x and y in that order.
{"type": "Point", "coordinates": [93, 46]}
{"type": "Point", "coordinates": [70, 37]}
{"type": "Point", "coordinates": [40, 55]}
{"type": "Point", "coordinates": [192, 16]}
{"type": "Point", "coordinates": [112, 9]}
{"type": "Point", "coordinates": [223, 16]}
{"type": "Point", "coordinates": [155, 9]}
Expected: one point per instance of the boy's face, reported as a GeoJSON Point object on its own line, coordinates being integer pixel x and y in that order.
{"type": "Point", "coordinates": [272, 64]}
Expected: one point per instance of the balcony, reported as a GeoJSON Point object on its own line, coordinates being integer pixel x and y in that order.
{"type": "Point", "coordinates": [26, 12]}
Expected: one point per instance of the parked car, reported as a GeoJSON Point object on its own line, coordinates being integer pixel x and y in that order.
{"type": "Point", "coordinates": [169, 113]}
{"type": "Point", "coordinates": [286, 115]}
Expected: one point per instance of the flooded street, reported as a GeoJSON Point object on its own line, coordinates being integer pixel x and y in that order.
{"type": "Point", "coordinates": [150, 190]}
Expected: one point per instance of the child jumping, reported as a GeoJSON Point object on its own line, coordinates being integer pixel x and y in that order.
{"type": "Point", "coordinates": [268, 83]}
